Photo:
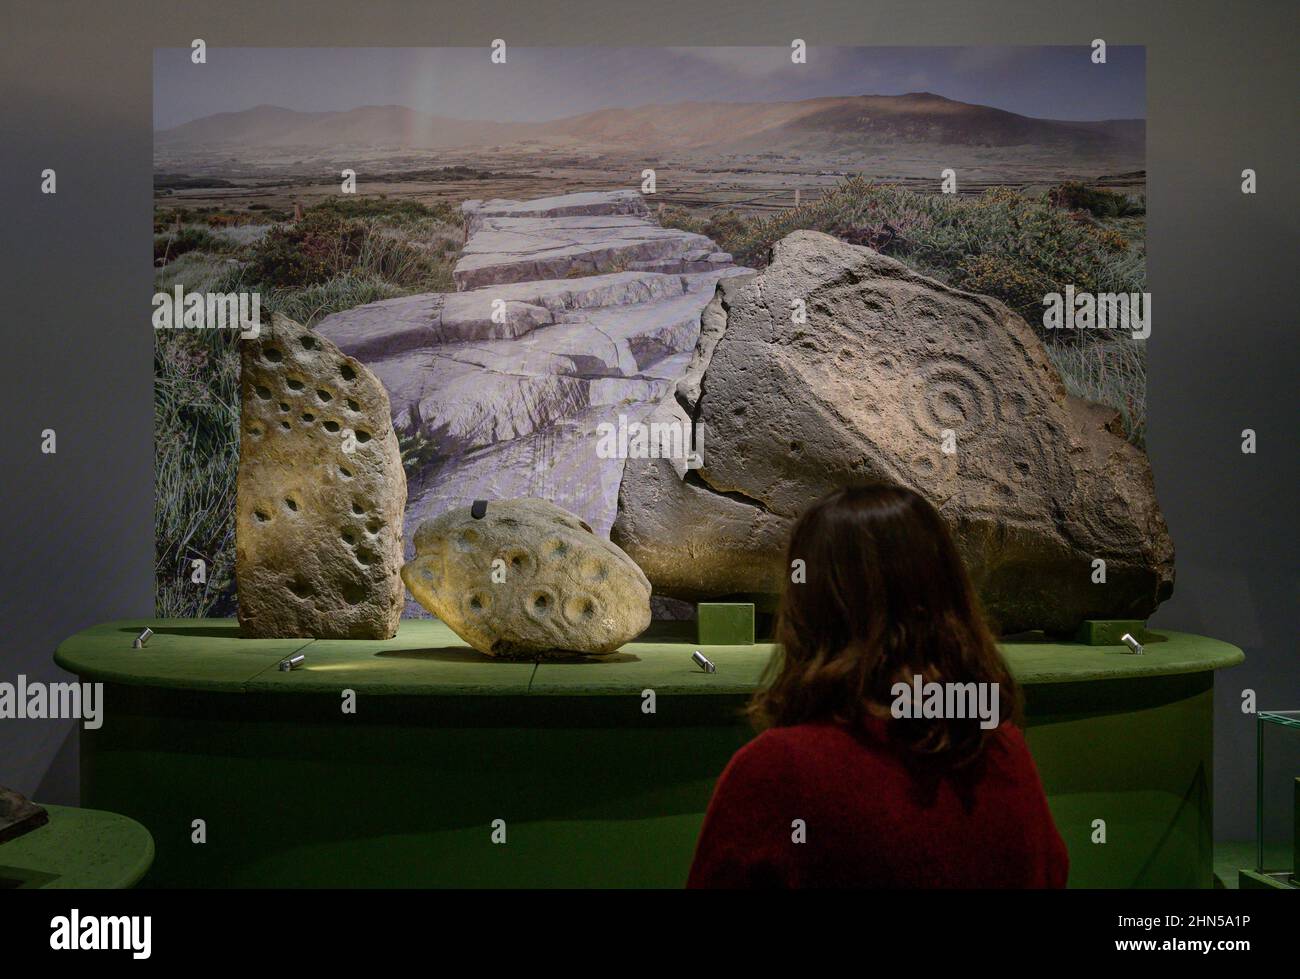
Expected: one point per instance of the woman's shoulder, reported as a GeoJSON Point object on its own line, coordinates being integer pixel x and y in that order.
{"type": "Point", "coordinates": [792, 745]}
{"type": "Point", "coordinates": [776, 760]}
{"type": "Point", "coordinates": [793, 737]}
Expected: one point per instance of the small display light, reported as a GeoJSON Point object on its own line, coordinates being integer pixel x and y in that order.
{"type": "Point", "coordinates": [1128, 640]}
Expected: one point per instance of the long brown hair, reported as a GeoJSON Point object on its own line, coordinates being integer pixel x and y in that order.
{"type": "Point", "coordinates": [885, 598]}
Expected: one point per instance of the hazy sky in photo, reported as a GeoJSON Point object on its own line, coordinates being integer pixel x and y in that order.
{"type": "Point", "coordinates": [537, 84]}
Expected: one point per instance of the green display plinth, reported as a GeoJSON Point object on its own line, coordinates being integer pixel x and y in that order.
{"type": "Point", "coordinates": [78, 848]}
{"type": "Point", "coordinates": [446, 750]}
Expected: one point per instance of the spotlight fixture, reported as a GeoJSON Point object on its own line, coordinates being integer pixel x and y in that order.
{"type": "Point", "coordinates": [1128, 640]}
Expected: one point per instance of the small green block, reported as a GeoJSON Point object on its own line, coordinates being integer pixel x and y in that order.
{"type": "Point", "coordinates": [1107, 632]}
{"type": "Point", "coordinates": [725, 623]}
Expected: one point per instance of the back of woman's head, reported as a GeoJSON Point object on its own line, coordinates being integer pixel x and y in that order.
{"type": "Point", "coordinates": [877, 595]}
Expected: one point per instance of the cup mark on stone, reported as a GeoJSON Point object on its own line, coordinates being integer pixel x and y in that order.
{"type": "Point", "coordinates": [263, 392]}
{"type": "Point", "coordinates": [307, 342]}
{"type": "Point", "coordinates": [294, 384]}
{"type": "Point", "coordinates": [347, 373]}
{"type": "Point", "coordinates": [579, 609]}
{"type": "Point", "coordinates": [345, 472]}
{"type": "Point", "coordinates": [520, 560]}
{"type": "Point", "coordinates": [273, 355]}
{"type": "Point", "coordinates": [540, 603]}
{"type": "Point", "coordinates": [324, 395]}
{"type": "Point", "coordinates": [331, 426]}
{"type": "Point", "coordinates": [593, 569]}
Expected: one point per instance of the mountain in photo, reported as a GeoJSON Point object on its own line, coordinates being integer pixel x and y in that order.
{"type": "Point", "coordinates": [827, 124]}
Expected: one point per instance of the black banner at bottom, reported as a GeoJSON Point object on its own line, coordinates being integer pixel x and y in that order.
{"type": "Point", "coordinates": [341, 928]}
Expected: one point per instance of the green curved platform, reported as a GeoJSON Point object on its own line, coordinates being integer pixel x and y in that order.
{"type": "Point", "coordinates": [594, 791]}
{"type": "Point", "coordinates": [78, 848]}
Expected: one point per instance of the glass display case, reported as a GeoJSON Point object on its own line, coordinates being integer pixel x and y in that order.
{"type": "Point", "coordinates": [1277, 802]}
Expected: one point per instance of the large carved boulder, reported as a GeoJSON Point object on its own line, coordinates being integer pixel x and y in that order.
{"type": "Point", "coordinates": [527, 578]}
{"type": "Point", "coordinates": [320, 493]}
{"type": "Point", "coordinates": [889, 369]}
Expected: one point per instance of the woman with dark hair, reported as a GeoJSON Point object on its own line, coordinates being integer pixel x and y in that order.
{"type": "Point", "coordinates": [889, 754]}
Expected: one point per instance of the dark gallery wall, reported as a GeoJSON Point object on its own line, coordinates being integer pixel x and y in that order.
{"type": "Point", "coordinates": [76, 275]}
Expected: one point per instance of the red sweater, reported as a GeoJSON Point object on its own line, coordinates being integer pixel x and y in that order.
{"type": "Point", "coordinates": [875, 816]}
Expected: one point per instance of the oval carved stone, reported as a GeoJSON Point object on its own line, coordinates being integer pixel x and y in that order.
{"type": "Point", "coordinates": [527, 579]}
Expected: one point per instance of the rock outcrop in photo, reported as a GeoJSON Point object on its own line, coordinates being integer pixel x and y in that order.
{"type": "Point", "coordinates": [527, 578]}
{"type": "Point", "coordinates": [320, 492]}
{"type": "Point", "coordinates": [574, 311]}
{"type": "Point", "coordinates": [577, 234]}
{"type": "Point", "coordinates": [887, 371]}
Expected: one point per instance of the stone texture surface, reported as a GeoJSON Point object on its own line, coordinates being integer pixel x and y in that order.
{"type": "Point", "coordinates": [318, 527]}
{"type": "Point", "coordinates": [522, 249]}
{"type": "Point", "coordinates": [19, 815]}
{"type": "Point", "coordinates": [588, 203]}
{"type": "Point", "coordinates": [508, 406]}
{"type": "Point", "coordinates": [1038, 488]}
{"type": "Point", "coordinates": [588, 233]}
{"type": "Point", "coordinates": [527, 579]}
